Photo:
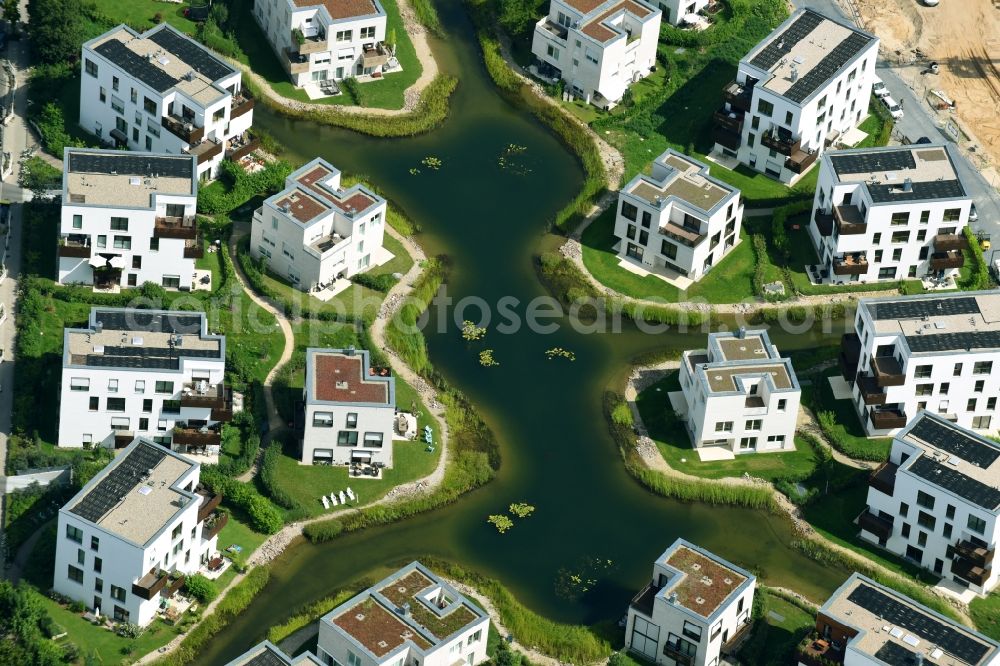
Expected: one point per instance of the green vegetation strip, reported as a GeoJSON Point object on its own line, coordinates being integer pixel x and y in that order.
{"type": "Point", "coordinates": [985, 613]}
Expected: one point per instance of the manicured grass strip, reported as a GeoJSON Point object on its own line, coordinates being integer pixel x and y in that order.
{"type": "Point", "coordinates": [840, 423]}
{"type": "Point", "coordinates": [985, 613]}
{"type": "Point", "coordinates": [777, 630]}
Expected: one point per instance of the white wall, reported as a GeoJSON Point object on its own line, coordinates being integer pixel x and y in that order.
{"type": "Point", "coordinates": [378, 419]}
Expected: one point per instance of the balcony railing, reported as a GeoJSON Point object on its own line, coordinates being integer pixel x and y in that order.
{"type": "Point", "coordinates": [214, 524]}
{"type": "Point", "coordinates": [689, 237]}
{"type": "Point", "coordinates": [242, 146]}
{"type": "Point", "coordinates": [872, 393]}
{"type": "Point", "coordinates": [850, 221]}
{"type": "Point", "coordinates": [736, 640]}
{"type": "Point", "coordinates": [738, 95]}
{"type": "Point", "coordinates": [150, 585]}
{"type": "Point", "coordinates": [782, 142]}
{"type": "Point", "coordinates": [877, 525]}
{"type": "Point", "coordinates": [883, 479]}
{"type": "Point", "coordinates": [679, 657]}
{"type": "Point", "coordinates": [196, 437]}
{"type": "Point", "coordinates": [72, 248]}
{"type": "Point", "coordinates": [850, 264]}
{"type": "Point", "coordinates": [209, 503]}
{"type": "Point", "coordinates": [730, 120]}
{"type": "Point", "coordinates": [945, 242]}
{"type": "Point", "coordinates": [888, 419]}
{"type": "Point", "coordinates": [800, 160]}
{"type": "Point", "coordinates": [850, 355]}
{"type": "Point", "coordinates": [218, 398]}
{"type": "Point", "coordinates": [207, 150]}
{"type": "Point", "coordinates": [824, 222]}
{"type": "Point", "coordinates": [243, 103]}
{"type": "Point", "coordinates": [315, 44]}
{"type": "Point", "coordinates": [183, 129]}
{"type": "Point", "coordinates": [176, 227]}
{"type": "Point", "coordinates": [554, 29]}
{"type": "Point", "coordinates": [295, 63]}
{"type": "Point", "coordinates": [944, 260]}
{"type": "Point", "coordinates": [970, 571]}
{"type": "Point", "coordinates": [643, 602]}
{"type": "Point", "coordinates": [374, 55]}
{"type": "Point", "coordinates": [976, 554]}
{"type": "Point", "coordinates": [175, 584]}
{"type": "Point", "coordinates": [888, 371]}
{"type": "Point", "coordinates": [194, 248]}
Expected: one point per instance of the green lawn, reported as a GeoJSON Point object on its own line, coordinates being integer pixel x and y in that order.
{"type": "Point", "coordinates": [140, 13]}
{"type": "Point", "coordinates": [672, 440]}
{"type": "Point", "coordinates": [731, 281]}
{"type": "Point", "coordinates": [986, 614]}
{"type": "Point", "coordinates": [777, 633]}
{"type": "Point", "coordinates": [845, 433]}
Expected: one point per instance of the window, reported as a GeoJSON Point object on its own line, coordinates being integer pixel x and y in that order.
{"type": "Point", "coordinates": [102, 241]}
{"type": "Point", "coordinates": [98, 564]}
{"type": "Point", "coordinates": [165, 387]}
{"type": "Point", "coordinates": [981, 422]}
{"type": "Point", "coordinates": [645, 637]}
{"type": "Point", "coordinates": [344, 35]}
{"type": "Point", "coordinates": [353, 659]}
{"type": "Point", "coordinates": [925, 389]}
{"type": "Point", "coordinates": [946, 531]}
{"type": "Point", "coordinates": [958, 370]}
{"type": "Point", "coordinates": [976, 524]}
{"type": "Point", "coordinates": [982, 368]}
{"type": "Point", "coordinates": [630, 231]}
{"type": "Point", "coordinates": [925, 500]}
{"type": "Point", "coordinates": [79, 384]}
{"type": "Point", "coordinates": [945, 387]}
{"type": "Point", "coordinates": [900, 236]}
{"type": "Point", "coordinates": [121, 615]}
{"type": "Point", "coordinates": [117, 593]}
{"type": "Point", "coordinates": [692, 631]}
{"type": "Point", "coordinates": [368, 33]}
{"type": "Point", "coordinates": [78, 221]}
{"type": "Point", "coordinates": [788, 117]}
{"type": "Point", "coordinates": [923, 372]}
{"type": "Point", "coordinates": [629, 211]}
{"type": "Point", "coordinates": [95, 403]}
{"type": "Point", "coordinates": [904, 508]}
{"type": "Point", "coordinates": [147, 405]}
{"type": "Point", "coordinates": [75, 574]}
{"type": "Point", "coordinates": [154, 244]}
{"type": "Point", "coordinates": [724, 426]}
{"type": "Point", "coordinates": [143, 423]}
{"type": "Point", "coordinates": [117, 105]}
{"type": "Point", "coordinates": [170, 407]}
{"type": "Point", "coordinates": [748, 442]}
{"type": "Point", "coordinates": [781, 404]}
{"type": "Point", "coordinates": [176, 532]}
{"type": "Point", "coordinates": [921, 235]}
{"type": "Point", "coordinates": [970, 406]}
{"type": "Point", "coordinates": [949, 512]}
{"type": "Point", "coordinates": [347, 438]}
{"type": "Point", "coordinates": [74, 533]}
{"type": "Point", "coordinates": [888, 273]}
{"type": "Point", "coordinates": [140, 386]}
{"type": "Point", "coordinates": [119, 224]}
{"type": "Point", "coordinates": [897, 254]}
{"type": "Point", "coordinates": [906, 531]}
{"type": "Point", "coordinates": [980, 384]}
{"type": "Point", "coordinates": [900, 219]}
{"type": "Point", "coordinates": [679, 645]}
{"type": "Point", "coordinates": [352, 420]}
{"type": "Point", "coordinates": [123, 242]}
{"type": "Point", "coordinates": [647, 219]}
{"type": "Point", "coordinates": [90, 67]}
{"type": "Point", "coordinates": [952, 214]}
{"type": "Point", "coordinates": [877, 238]}
{"type": "Point", "coordinates": [81, 557]}
{"type": "Point", "coordinates": [921, 539]}
{"type": "Point", "coordinates": [765, 108]}
{"type": "Point", "coordinates": [754, 424]}
{"type": "Point", "coordinates": [98, 585]}
{"type": "Point", "coordinates": [926, 520]}
{"type": "Point", "coordinates": [112, 386]}
{"type": "Point", "coordinates": [668, 249]}
{"type": "Point", "coordinates": [373, 440]}
{"type": "Point", "coordinates": [116, 404]}
{"type": "Point", "coordinates": [95, 543]}
{"type": "Point", "coordinates": [991, 403]}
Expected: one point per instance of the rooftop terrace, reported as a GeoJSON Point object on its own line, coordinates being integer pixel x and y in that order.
{"type": "Point", "coordinates": [675, 175]}
{"type": "Point", "coordinates": [316, 191]}
{"type": "Point", "coordinates": [126, 180]}
{"type": "Point", "coordinates": [743, 353]}
{"type": "Point", "coordinates": [343, 376]}
{"type": "Point", "coordinates": [599, 25]}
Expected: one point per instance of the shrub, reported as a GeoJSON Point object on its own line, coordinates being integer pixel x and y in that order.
{"type": "Point", "coordinates": [382, 283]}
{"type": "Point", "coordinates": [201, 588]}
{"type": "Point", "coordinates": [269, 479]}
{"type": "Point", "coordinates": [264, 516]}
{"type": "Point", "coordinates": [979, 276]}
{"type": "Point", "coordinates": [235, 186]}
{"type": "Point", "coordinates": [128, 630]}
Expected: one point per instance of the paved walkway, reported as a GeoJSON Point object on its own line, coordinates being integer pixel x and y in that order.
{"type": "Point", "coordinates": [411, 96]}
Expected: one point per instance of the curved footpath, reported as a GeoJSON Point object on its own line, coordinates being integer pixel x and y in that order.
{"type": "Point", "coordinates": [411, 96]}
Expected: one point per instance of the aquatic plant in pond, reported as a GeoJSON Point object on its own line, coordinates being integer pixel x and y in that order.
{"type": "Point", "coordinates": [559, 352]}
{"type": "Point", "coordinates": [472, 332]}
{"type": "Point", "coordinates": [486, 359]}
{"type": "Point", "coordinates": [573, 582]}
{"type": "Point", "coordinates": [521, 510]}
{"type": "Point", "coordinates": [501, 522]}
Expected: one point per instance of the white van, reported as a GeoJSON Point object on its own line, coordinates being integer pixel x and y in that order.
{"type": "Point", "coordinates": [879, 89]}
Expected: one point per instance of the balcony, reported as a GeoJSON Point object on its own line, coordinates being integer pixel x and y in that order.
{"type": "Point", "coordinates": [213, 525]}
{"type": "Point", "coordinates": [730, 120]}
{"type": "Point", "coordinates": [209, 503]}
{"type": "Point", "coordinates": [195, 438]}
{"type": "Point", "coordinates": [888, 371]}
{"type": "Point", "coordinates": [850, 221]}
{"type": "Point", "coordinates": [689, 237]}
{"type": "Point", "coordinates": [800, 160]}
{"type": "Point", "coordinates": [945, 242]}
{"type": "Point", "coordinates": [314, 44]}
{"type": "Point", "coordinates": [970, 571]}
{"type": "Point", "coordinates": [735, 641]}
{"type": "Point", "coordinates": [295, 63]}
{"type": "Point", "coordinates": [888, 419]}
{"type": "Point", "coordinates": [206, 150]}
{"type": "Point", "coordinates": [554, 30]}
{"type": "Point", "coordinates": [241, 146]}
{"type": "Point", "coordinates": [883, 479]}
{"type": "Point", "coordinates": [194, 248]}
{"type": "Point", "coordinates": [850, 355]}
{"type": "Point", "coordinates": [738, 96]}
{"type": "Point", "coordinates": [643, 602]}
{"type": "Point", "coordinates": [781, 140]}
{"type": "Point", "coordinates": [218, 398]}
{"type": "Point", "coordinates": [176, 227]}
{"type": "Point", "coordinates": [150, 585]}
{"type": "Point", "coordinates": [123, 438]}
{"type": "Point", "coordinates": [374, 55]}
{"type": "Point", "coordinates": [176, 583]}
{"type": "Point", "coordinates": [870, 390]}
{"type": "Point", "coordinates": [824, 222]}
{"type": "Point", "coordinates": [944, 260]}
{"type": "Point", "coordinates": [242, 104]}
{"type": "Point", "coordinates": [876, 525]}
{"type": "Point", "coordinates": [681, 658]}
{"type": "Point", "coordinates": [183, 129]}
{"type": "Point", "coordinates": [78, 249]}
{"type": "Point", "coordinates": [854, 263]}
{"type": "Point", "coordinates": [978, 555]}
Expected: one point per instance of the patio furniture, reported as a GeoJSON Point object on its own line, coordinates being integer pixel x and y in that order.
{"type": "Point", "coordinates": [350, 494]}
{"type": "Point", "coordinates": [326, 502]}
{"type": "Point", "coordinates": [343, 497]}
{"type": "Point", "coordinates": [333, 499]}
{"type": "Point", "coordinates": [215, 563]}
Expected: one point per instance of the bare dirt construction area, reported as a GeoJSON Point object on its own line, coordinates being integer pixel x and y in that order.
{"type": "Point", "coordinates": [963, 37]}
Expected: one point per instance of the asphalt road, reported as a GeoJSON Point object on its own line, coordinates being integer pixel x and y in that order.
{"type": "Point", "coordinates": [919, 120]}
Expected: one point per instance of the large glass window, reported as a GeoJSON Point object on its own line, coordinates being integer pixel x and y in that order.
{"type": "Point", "coordinates": [347, 438]}
{"type": "Point", "coordinates": [74, 533]}
{"type": "Point", "coordinates": [119, 224]}
{"type": "Point", "coordinates": [679, 645]}
{"type": "Point", "coordinates": [323, 420]}
{"type": "Point", "coordinates": [75, 574]}
{"type": "Point", "coordinates": [629, 211]}
{"type": "Point", "coordinates": [977, 524]}
{"type": "Point", "coordinates": [645, 637]}
{"type": "Point", "coordinates": [373, 440]}
{"type": "Point", "coordinates": [765, 108]}
{"type": "Point", "coordinates": [165, 387]}
{"type": "Point", "coordinates": [925, 500]}
{"type": "Point", "coordinates": [692, 631]}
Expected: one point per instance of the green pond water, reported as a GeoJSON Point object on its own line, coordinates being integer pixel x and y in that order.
{"type": "Point", "coordinates": [557, 454]}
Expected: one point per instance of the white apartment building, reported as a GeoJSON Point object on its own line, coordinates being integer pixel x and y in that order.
{"type": "Point", "coordinates": [128, 537]}
{"type": "Point", "coordinates": [674, 11]}
{"type": "Point", "coordinates": [936, 501]}
{"type": "Point", "coordinates": [128, 219]}
{"type": "Point", "coordinates": [267, 653]}
{"type": "Point", "coordinates": [695, 609]}
{"type": "Point", "coordinates": [678, 219]}
{"type": "Point", "coordinates": [806, 85]}
{"type": "Point", "coordinates": [410, 617]}
{"type": "Point", "coordinates": [326, 40]}
{"type": "Point", "coordinates": [889, 214]}
{"type": "Point", "coordinates": [935, 352]}
{"type": "Point", "coordinates": [598, 47]}
{"type": "Point", "coordinates": [740, 394]}
{"type": "Point", "coordinates": [865, 623]}
{"type": "Point", "coordinates": [163, 92]}
{"type": "Point", "coordinates": [146, 373]}
{"type": "Point", "coordinates": [350, 409]}
{"type": "Point", "coordinates": [315, 232]}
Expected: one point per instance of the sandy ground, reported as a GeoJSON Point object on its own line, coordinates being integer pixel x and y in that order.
{"type": "Point", "coordinates": [963, 37]}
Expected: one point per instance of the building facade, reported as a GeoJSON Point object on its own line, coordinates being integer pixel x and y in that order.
{"type": "Point", "coordinates": [939, 353]}
{"type": "Point", "coordinates": [323, 40]}
{"type": "Point", "coordinates": [695, 610]}
{"type": "Point", "coordinates": [315, 232]}
{"type": "Point", "coordinates": [739, 394]}
{"type": "Point", "coordinates": [802, 88]}
{"type": "Point", "coordinates": [128, 219]}
{"type": "Point", "coordinates": [936, 501]}
{"type": "Point", "coordinates": [126, 540]}
{"type": "Point", "coordinates": [162, 92]}
{"type": "Point", "coordinates": [678, 219]}
{"type": "Point", "coordinates": [865, 623]}
{"type": "Point", "coordinates": [350, 409]}
{"type": "Point", "coordinates": [410, 617]}
{"type": "Point", "coordinates": [674, 11]}
{"type": "Point", "coordinates": [267, 653]}
{"type": "Point", "coordinates": [597, 48]}
{"type": "Point", "coordinates": [889, 214]}
{"type": "Point", "coordinates": [147, 373]}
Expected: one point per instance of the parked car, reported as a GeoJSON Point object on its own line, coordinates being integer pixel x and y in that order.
{"type": "Point", "coordinates": [973, 214]}
{"type": "Point", "coordinates": [931, 3]}
{"type": "Point", "coordinates": [996, 270]}
{"type": "Point", "coordinates": [895, 110]}
{"type": "Point", "coordinates": [879, 89]}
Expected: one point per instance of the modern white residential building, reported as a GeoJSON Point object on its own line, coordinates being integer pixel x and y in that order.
{"type": "Point", "coordinates": [315, 232]}
{"type": "Point", "coordinates": [128, 219]}
{"type": "Point", "coordinates": [678, 220]}
{"type": "Point", "coordinates": [867, 624]}
{"type": "Point", "coordinates": [739, 394]}
{"type": "Point", "coordinates": [889, 214]}
{"type": "Point", "coordinates": [936, 501]}
{"type": "Point", "coordinates": [147, 373]}
{"type": "Point", "coordinates": [935, 352]}
{"type": "Point", "coordinates": [598, 47]}
{"type": "Point", "coordinates": [674, 11]}
{"type": "Point", "coordinates": [410, 617]}
{"type": "Point", "coordinates": [162, 92]}
{"type": "Point", "coordinates": [267, 653]}
{"type": "Point", "coordinates": [350, 408]}
{"type": "Point", "coordinates": [802, 88]}
{"type": "Point", "coordinates": [695, 609]}
{"type": "Point", "coordinates": [128, 537]}
{"type": "Point", "coordinates": [327, 40]}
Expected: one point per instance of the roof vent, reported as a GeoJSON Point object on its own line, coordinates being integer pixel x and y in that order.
{"type": "Point", "coordinates": [695, 565]}
{"type": "Point", "coordinates": [727, 581]}
{"type": "Point", "coordinates": [360, 617]}
{"type": "Point", "coordinates": [907, 185]}
{"type": "Point", "coordinates": [795, 74]}
{"type": "Point", "coordinates": [699, 600]}
{"type": "Point", "coordinates": [350, 350]}
{"type": "Point", "coordinates": [342, 386]}
{"type": "Point", "coordinates": [672, 598]}
{"type": "Point", "coordinates": [706, 580]}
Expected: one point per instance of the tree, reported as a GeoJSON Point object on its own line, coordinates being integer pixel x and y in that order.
{"type": "Point", "coordinates": [12, 11]}
{"type": "Point", "coordinates": [517, 16]}
{"type": "Point", "coordinates": [56, 29]}
{"type": "Point", "coordinates": [201, 588]}
{"type": "Point", "coordinates": [39, 176]}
